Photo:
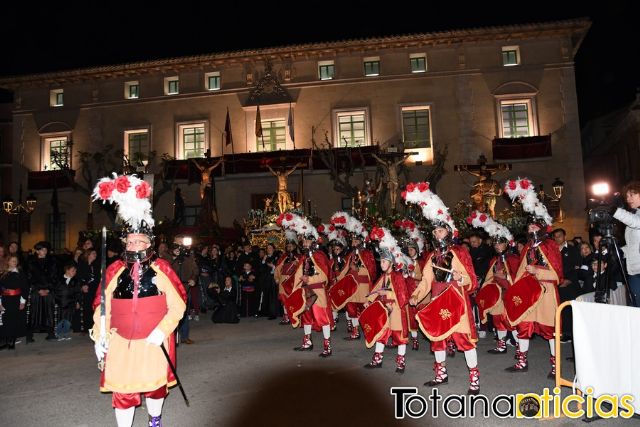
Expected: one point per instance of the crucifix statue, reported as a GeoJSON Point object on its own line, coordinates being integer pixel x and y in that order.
{"type": "Point", "coordinates": [205, 178]}
{"type": "Point", "coordinates": [485, 190]}
{"type": "Point", "coordinates": [284, 198]}
{"type": "Point", "coordinates": [390, 168]}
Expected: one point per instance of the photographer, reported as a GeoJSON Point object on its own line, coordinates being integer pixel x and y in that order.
{"type": "Point", "coordinates": [187, 270]}
{"type": "Point", "coordinates": [631, 193]}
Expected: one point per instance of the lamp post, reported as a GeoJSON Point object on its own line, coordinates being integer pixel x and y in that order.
{"type": "Point", "coordinates": [558, 188]}
{"type": "Point", "coordinates": [18, 209]}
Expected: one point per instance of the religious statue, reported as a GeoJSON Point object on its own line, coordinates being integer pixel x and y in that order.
{"type": "Point", "coordinates": [366, 198]}
{"type": "Point", "coordinates": [284, 198]}
{"type": "Point", "coordinates": [485, 190]}
{"type": "Point", "coordinates": [267, 204]}
{"type": "Point", "coordinates": [390, 178]}
{"type": "Point", "coordinates": [205, 178]}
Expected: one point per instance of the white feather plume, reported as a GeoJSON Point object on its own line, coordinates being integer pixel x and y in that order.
{"type": "Point", "coordinates": [349, 223]}
{"type": "Point", "coordinates": [524, 190]}
{"type": "Point", "coordinates": [494, 228]}
{"type": "Point", "coordinates": [432, 206]}
{"type": "Point", "coordinates": [131, 208]}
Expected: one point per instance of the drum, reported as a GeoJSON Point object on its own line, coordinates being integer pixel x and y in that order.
{"type": "Point", "coordinates": [295, 305]}
{"type": "Point", "coordinates": [374, 321]}
{"type": "Point", "coordinates": [442, 315]}
{"type": "Point", "coordinates": [341, 292]}
{"type": "Point", "coordinates": [522, 298]}
{"type": "Point", "coordinates": [487, 298]}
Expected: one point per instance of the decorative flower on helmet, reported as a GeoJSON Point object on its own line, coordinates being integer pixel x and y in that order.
{"type": "Point", "coordinates": [388, 243]}
{"type": "Point", "coordinates": [131, 196]}
{"type": "Point", "coordinates": [432, 206]}
{"type": "Point", "coordinates": [349, 223]}
{"type": "Point", "coordinates": [415, 239]}
{"type": "Point", "coordinates": [301, 226]}
{"type": "Point", "coordinates": [524, 190]}
{"type": "Point", "coordinates": [334, 234]}
{"type": "Point", "coordinates": [493, 228]}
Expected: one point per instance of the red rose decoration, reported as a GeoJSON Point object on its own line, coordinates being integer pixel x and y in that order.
{"type": "Point", "coordinates": [474, 214]}
{"type": "Point", "coordinates": [288, 217]}
{"type": "Point", "coordinates": [455, 233]}
{"type": "Point", "coordinates": [412, 267]}
{"type": "Point", "coordinates": [410, 187]}
{"type": "Point", "coordinates": [321, 228]}
{"type": "Point", "coordinates": [122, 184]}
{"type": "Point", "coordinates": [483, 218]}
{"type": "Point", "coordinates": [143, 190]}
{"type": "Point", "coordinates": [423, 186]}
{"type": "Point", "coordinates": [440, 212]}
{"type": "Point", "coordinates": [512, 185]}
{"type": "Point", "coordinates": [105, 189]}
{"type": "Point", "coordinates": [397, 224]}
{"type": "Point", "coordinates": [279, 220]}
{"type": "Point", "coordinates": [332, 228]}
{"type": "Point", "coordinates": [423, 203]}
{"type": "Point", "coordinates": [404, 195]}
{"type": "Point", "coordinates": [524, 184]}
{"type": "Point", "coordinates": [469, 220]}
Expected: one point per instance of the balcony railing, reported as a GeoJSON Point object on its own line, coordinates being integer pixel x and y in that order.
{"type": "Point", "coordinates": [47, 180]}
{"type": "Point", "coordinates": [529, 147]}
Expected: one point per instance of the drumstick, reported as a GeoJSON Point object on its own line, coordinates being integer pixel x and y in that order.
{"type": "Point", "coordinates": [448, 271]}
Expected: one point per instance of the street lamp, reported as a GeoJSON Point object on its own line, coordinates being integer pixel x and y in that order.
{"type": "Point", "coordinates": [19, 209]}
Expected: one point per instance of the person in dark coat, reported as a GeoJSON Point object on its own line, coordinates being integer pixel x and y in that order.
{"type": "Point", "coordinates": [268, 293]}
{"type": "Point", "coordinates": [247, 283]}
{"type": "Point", "coordinates": [67, 298]}
{"type": "Point", "coordinates": [88, 279]}
{"type": "Point", "coordinates": [42, 273]}
{"type": "Point", "coordinates": [14, 289]}
{"type": "Point", "coordinates": [227, 310]}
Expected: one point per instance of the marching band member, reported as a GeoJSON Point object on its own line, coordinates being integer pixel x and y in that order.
{"type": "Point", "coordinates": [337, 260]}
{"type": "Point", "coordinates": [450, 278]}
{"type": "Point", "coordinates": [285, 268]}
{"type": "Point", "coordinates": [308, 302]}
{"type": "Point", "coordinates": [531, 302]}
{"type": "Point", "coordinates": [500, 276]}
{"type": "Point", "coordinates": [385, 314]}
{"type": "Point", "coordinates": [362, 268]}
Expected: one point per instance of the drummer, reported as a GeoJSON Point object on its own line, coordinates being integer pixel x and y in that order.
{"type": "Point", "coordinates": [391, 290]}
{"type": "Point", "coordinates": [540, 258]}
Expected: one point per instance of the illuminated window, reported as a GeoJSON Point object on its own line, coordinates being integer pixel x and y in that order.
{"type": "Point", "coordinates": [418, 62]}
{"type": "Point", "coordinates": [56, 153]}
{"type": "Point", "coordinates": [510, 55]}
{"type": "Point", "coordinates": [416, 127]}
{"type": "Point", "coordinates": [326, 70]}
{"type": "Point", "coordinates": [131, 90]}
{"type": "Point", "coordinates": [352, 128]}
{"type": "Point", "coordinates": [136, 145]}
{"type": "Point", "coordinates": [212, 80]}
{"type": "Point", "coordinates": [274, 135]}
{"type": "Point", "coordinates": [171, 86]}
{"type": "Point", "coordinates": [56, 97]}
{"type": "Point", "coordinates": [517, 118]}
{"type": "Point", "coordinates": [192, 140]}
{"type": "Point", "coordinates": [372, 66]}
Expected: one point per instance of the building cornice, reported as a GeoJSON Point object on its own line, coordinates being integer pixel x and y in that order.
{"type": "Point", "coordinates": [574, 28]}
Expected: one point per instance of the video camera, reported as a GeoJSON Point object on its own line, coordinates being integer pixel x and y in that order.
{"type": "Point", "coordinates": [181, 247]}
{"type": "Point", "coordinates": [602, 206]}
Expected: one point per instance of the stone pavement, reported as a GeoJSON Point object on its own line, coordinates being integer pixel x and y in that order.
{"type": "Point", "coordinates": [247, 374]}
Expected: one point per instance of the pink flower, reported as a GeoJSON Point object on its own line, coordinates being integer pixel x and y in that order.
{"type": "Point", "coordinates": [105, 189]}
{"type": "Point", "coordinates": [122, 184]}
{"type": "Point", "coordinates": [143, 190]}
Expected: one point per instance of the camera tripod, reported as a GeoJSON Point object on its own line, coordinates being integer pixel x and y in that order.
{"type": "Point", "coordinates": [610, 244]}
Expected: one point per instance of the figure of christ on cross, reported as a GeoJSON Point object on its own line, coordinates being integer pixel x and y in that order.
{"type": "Point", "coordinates": [284, 198]}
{"type": "Point", "coordinates": [485, 190]}
{"type": "Point", "coordinates": [205, 178]}
{"type": "Point", "coordinates": [390, 178]}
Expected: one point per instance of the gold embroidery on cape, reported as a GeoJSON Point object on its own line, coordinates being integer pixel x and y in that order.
{"type": "Point", "coordinates": [516, 300]}
{"type": "Point", "coordinates": [444, 314]}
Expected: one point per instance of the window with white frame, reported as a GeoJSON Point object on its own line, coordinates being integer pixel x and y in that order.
{"type": "Point", "coordinates": [56, 153]}
{"type": "Point", "coordinates": [212, 80]}
{"type": "Point", "coordinates": [372, 66]}
{"type": "Point", "coordinates": [517, 118]}
{"type": "Point", "coordinates": [510, 55]}
{"type": "Point", "coordinates": [418, 62]}
{"type": "Point", "coordinates": [171, 85]}
{"type": "Point", "coordinates": [192, 140]}
{"type": "Point", "coordinates": [274, 135]}
{"type": "Point", "coordinates": [352, 128]}
{"type": "Point", "coordinates": [56, 97]}
{"type": "Point", "coordinates": [131, 90]}
{"type": "Point", "coordinates": [136, 145]}
{"type": "Point", "coordinates": [326, 70]}
{"type": "Point", "coordinates": [416, 126]}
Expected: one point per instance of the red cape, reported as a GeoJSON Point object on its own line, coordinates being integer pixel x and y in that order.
{"type": "Point", "coordinates": [368, 260]}
{"type": "Point", "coordinates": [464, 257]}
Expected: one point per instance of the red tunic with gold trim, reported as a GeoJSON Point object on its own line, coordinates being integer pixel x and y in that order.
{"type": "Point", "coordinates": [548, 262]}
{"type": "Point", "coordinates": [362, 267]}
{"type": "Point", "coordinates": [453, 316]}
{"type": "Point", "coordinates": [319, 314]}
{"type": "Point", "coordinates": [391, 290]}
{"type": "Point", "coordinates": [412, 284]}
{"type": "Point", "coordinates": [131, 364]}
{"type": "Point", "coordinates": [494, 286]}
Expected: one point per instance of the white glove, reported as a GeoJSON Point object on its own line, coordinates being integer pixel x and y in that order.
{"type": "Point", "coordinates": [100, 349]}
{"type": "Point", "coordinates": [156, 337]}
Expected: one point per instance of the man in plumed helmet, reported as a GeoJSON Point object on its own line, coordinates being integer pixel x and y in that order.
{"type": "Point", "coordinates": [143, 301]}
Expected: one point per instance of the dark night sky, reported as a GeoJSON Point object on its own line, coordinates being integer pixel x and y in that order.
{"type": "Point", "coordinates": [58, 36]}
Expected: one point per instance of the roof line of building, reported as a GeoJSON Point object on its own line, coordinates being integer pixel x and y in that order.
{"type": "Point", "coordinates": [570, 26]}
